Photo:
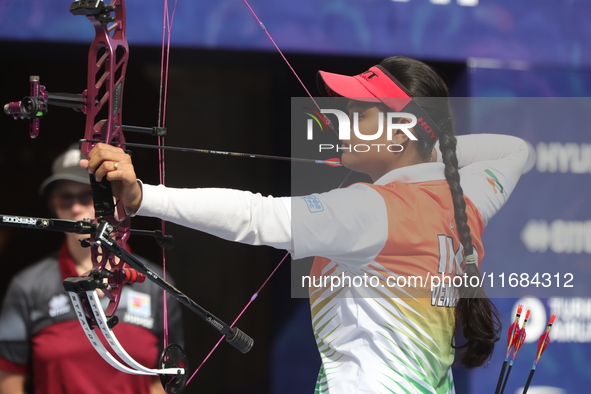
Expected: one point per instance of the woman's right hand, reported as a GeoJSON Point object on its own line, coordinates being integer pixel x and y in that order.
{"type": "Point", "coordinates": [112, 163]}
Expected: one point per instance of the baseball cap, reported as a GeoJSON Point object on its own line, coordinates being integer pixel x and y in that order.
{"type": "Point", "coordinates": [66, 167]}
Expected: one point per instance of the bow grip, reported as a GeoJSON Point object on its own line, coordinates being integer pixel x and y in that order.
{"type": "Point", "coordinates": [104, 206]}
{"type": "Point", "coordinates": [240, 340]}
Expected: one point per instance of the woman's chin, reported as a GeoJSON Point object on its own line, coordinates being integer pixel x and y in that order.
{"type": "Point", "coordinates": [349, 161]}
{"type": "Point", "coordinates": [346, 160]}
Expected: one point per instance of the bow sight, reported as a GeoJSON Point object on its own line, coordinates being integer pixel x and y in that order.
{"type": "Point", "coordinates": [32, 107]}
{"type": "Point", "coordinates": [35, 107]}
{"type": "Point", "coordinates": [97, 8]}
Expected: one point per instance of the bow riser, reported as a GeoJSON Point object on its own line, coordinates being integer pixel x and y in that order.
{"type": "Point", "coordinates": [107, 64]}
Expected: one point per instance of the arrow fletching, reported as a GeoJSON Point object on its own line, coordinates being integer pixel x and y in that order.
{"type": "Point", "coordinates": [518, 340]}
{"type": "Point", "coordinates": [542, 345]}
{"type": "Point", "coordinates": [522, 335]}
{"type": "Point", "coordinates": [511, 336]}
{"type": "Point", "coordinates": [513, 330]}
{"type": "Point", "coordinates": [334, 162]}
{"type": "Point", "coordinates": [544, 340]}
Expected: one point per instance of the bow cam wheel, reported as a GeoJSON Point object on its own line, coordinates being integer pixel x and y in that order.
{"type": "Point", "coordinates": [173, 356]}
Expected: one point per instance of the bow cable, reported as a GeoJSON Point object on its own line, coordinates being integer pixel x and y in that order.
{"type": "Point", "coordinates": [168, 19]}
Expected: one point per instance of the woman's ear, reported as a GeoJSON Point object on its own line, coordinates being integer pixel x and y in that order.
{"type": "Point", "coordinates": [400, 136]}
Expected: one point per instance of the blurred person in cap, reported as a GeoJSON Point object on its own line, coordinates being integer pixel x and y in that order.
{"type": "Point", "coordinates": [43, 348]}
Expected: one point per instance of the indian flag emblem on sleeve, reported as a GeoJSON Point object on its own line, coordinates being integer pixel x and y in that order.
{"type": "Point", "coordinates": [494, 182]}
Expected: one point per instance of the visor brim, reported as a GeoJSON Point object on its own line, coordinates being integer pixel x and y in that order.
{"type": "Point", "coordinates": [337, 85]}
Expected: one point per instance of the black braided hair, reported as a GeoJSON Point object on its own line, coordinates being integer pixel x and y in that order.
{"type": "Point", "coordinates": [476, 317]}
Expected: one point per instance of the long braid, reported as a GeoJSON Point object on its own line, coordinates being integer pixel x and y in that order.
{"type": "Point", "coordinates": [475, 315]}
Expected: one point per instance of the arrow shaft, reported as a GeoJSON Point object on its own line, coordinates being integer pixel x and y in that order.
{"type": "Point", "coordinates": [506, 378]}
{"type": "Point", "coordinates": [226, 153]}
{"type": "Point", "coordinates": [501, 376]}
{"type": "Point", "coordinates": [529, 378]}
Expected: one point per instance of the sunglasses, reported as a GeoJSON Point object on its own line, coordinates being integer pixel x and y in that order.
{"type": "Point", "coordinates": [67, 200]}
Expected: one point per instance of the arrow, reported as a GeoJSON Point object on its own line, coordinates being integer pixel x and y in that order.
{"type": "Point", "coordinates": [542, 345]}
{"type": "Point", "coordinates": [519, 338]}
{"type": "Point", "coordinates": [334, 162]}
{"type": "Point", "coordinates": [513, 328]}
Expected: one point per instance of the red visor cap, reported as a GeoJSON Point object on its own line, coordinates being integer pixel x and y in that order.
{"type": "Point", "coordinates": [374, 85]}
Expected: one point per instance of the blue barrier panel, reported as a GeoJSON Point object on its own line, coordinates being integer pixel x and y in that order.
{"type": "Point", "coordinates": [527, 31]}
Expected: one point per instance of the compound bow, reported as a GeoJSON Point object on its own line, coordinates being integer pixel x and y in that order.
{"type": "Point", "coordinates": [110, 229]}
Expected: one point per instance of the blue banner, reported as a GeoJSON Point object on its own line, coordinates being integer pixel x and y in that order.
{"type": "Point", "coordinates": [522, 32]}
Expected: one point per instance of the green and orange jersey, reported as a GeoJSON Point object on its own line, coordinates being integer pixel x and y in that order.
{"type": "Point", "coordinates": [394, 335]}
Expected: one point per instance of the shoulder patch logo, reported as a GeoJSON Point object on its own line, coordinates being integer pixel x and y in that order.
{"type": "Point", "coordinates": [59, 305]}
{"type": "Point", "coordinates": [139, 303]}
{"type": "Point", "coordinates": [139, 309]}
{"type": "Point", "coordinates": [313, 203]}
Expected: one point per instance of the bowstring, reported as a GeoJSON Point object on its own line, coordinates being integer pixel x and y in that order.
{"type": "Point", "coordinates": [168, 18]}
{"type": "Point", "coordinates": [256, 294]}
{"type": "Point", "coordinates": [262, 25]}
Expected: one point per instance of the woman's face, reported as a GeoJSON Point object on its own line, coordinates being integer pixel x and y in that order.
{"type": "Point", "coordinates": [374, 157]}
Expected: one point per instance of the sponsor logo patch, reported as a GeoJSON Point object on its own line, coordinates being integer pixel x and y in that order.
{"type": "Point", "coordinates": [313, 203]}
{"type": "Point", "coordinates": [59, 305]}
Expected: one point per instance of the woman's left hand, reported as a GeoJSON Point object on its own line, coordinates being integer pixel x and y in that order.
{"type": "Point", "coordinates": [112, 163]}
